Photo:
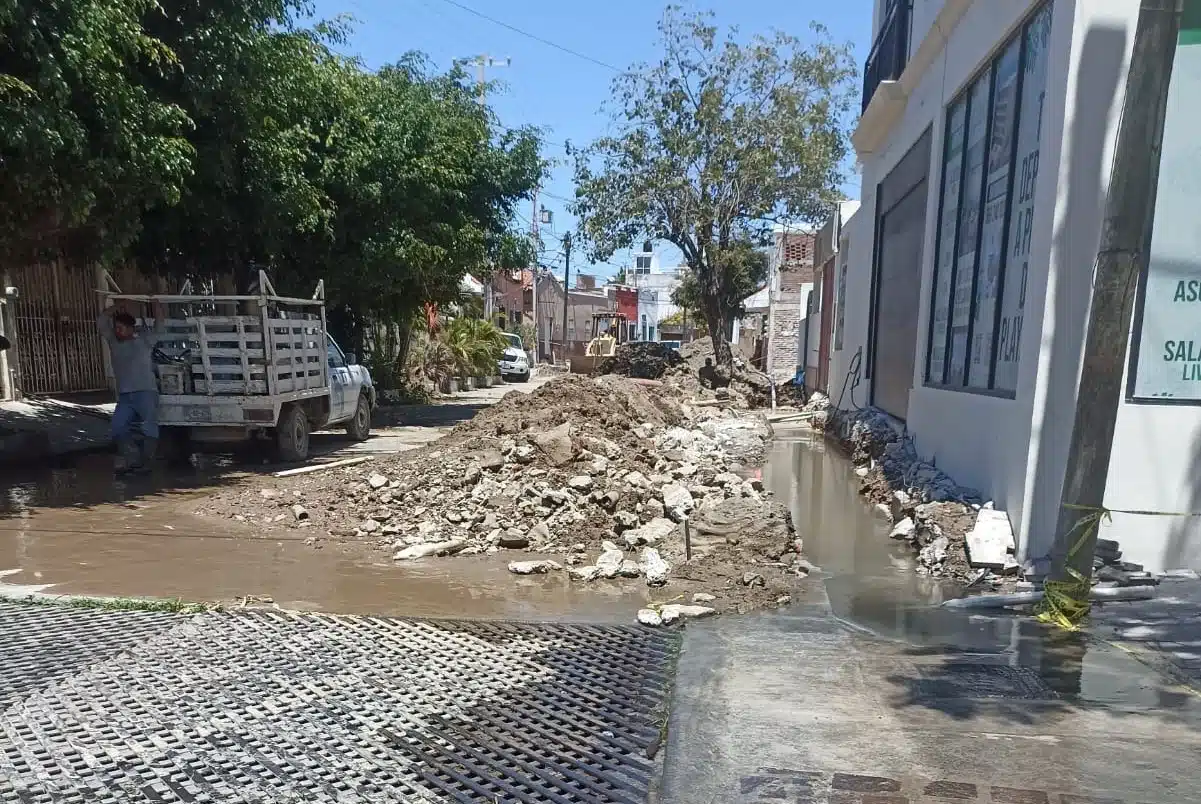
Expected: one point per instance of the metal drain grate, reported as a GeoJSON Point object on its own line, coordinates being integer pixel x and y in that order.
{"type": "Point", "coordinates": [275, 707]}
{"type": "Point", "coordinates": [978, 680]}
{"type": "Point", "coordinates": [42, 644]}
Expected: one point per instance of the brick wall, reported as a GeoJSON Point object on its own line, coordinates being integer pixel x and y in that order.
{"type": "Point", "coordinates": [792, 268]}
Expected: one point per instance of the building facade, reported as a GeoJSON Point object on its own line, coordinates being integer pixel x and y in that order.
{"type": "Point", "coordinates": [986, 141]}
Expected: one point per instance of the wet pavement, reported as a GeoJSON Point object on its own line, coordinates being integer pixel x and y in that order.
{"type": "Point", "coordinates": [874, 695]}
{"type": "Point", "coordinates": [861, 692]}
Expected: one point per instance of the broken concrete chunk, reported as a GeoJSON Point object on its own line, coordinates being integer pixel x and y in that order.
{"type": "Point", "coordinates": [556, 444]}
{"type": "Point", "coordinates": [630, 569]}
{"type": "Point", "coordinates": [540, 533]}
{"type": "Point", "coordinates": [904, 530]}
{"type": "Point", "coordinates": [637, 480]}
{"type": "Point", "coordinates": [883, 511]}
{"type": "Point", "coordinates": [377, 481]}
{"type": "Point", "coordinates": [581, 483]}
{"type": "Point", "coordinates": [649, 617]}
{"type": "Point", "coordinates": [490, 460]}
{"type": "Point", "coordinates": [585, 574]}
{"type": "Point", "coordinates": [625, 520]}
{"type": "Point", "coordinates": [677, 501]}
{"type": "Point", "coordinates": [534, 567]}
{"type": "Point", "coordinates": [513, 539]}
{"type": "Point", "coordinates": [990, 542]}
{"type": "Point", "coordinates": [369, 526]}
{"type": "Point", "coordinates": [703, 597]}
{"type": "Point", "coordinates": [753, 579]}
{"type": "Point", "coordinates": [426, 550]}
{"type": "Point", "coordinates": [676, 611]}
{"type": "Point", "coordinates": [610, 561]}
{"type": "Point", "coordinates": [524, 454]}
{"type": "Point", "coordinates": [650, 534]}
{"type": "Point", "coordinates": [654, 567]}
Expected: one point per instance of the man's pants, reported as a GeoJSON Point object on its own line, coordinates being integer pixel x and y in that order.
{"type": "Point", "coordinates": [136, 405]}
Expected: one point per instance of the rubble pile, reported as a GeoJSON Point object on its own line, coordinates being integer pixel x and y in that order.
{"type": "Point", "coordinates": [595, 477]}
{"type": "Point", "coordinates": [643, 360]}
{"type": "Point", "coordinates": [1110, 570]}
{"type": "Point", "coordinates": [747, 388]}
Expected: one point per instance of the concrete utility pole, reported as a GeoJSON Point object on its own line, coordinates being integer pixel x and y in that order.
{"type": "Point", "coordinates": [534, 273]}
{"type": "Point", "coordinates": [1129, 209]}
{"type": "Point", "coordinates": [566, 290]}
{"type": "Point", "coordinates": [482, 62]}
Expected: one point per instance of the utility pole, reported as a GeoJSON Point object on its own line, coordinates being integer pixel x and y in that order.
{"type": "Point", "coordinates": [566, 291]}
{"type": "Point", "coordinates": [534, 272]}
{"type": "Point", "coordinates": [1129, 209]}
{"type": "Point", "coordinates": [482, 62]}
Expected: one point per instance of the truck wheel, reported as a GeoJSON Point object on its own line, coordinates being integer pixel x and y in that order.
{"type": "Point", "coordinates": [292, 435]}
{"type": "Point", "coordinates": [359, 426]}
{"type": "Point", "coordinates": [176, 444]}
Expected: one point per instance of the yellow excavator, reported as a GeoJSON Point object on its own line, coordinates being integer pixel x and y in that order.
{"type": "Point", "coordinates": [609, 330]}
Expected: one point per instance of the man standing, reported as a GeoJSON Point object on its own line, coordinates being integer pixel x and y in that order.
{"type": "Point", "coordinates": [137, 388]}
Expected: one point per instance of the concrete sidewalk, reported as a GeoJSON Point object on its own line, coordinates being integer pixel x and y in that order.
{"type": "Point", "coordinates": [807, 708]}
{"type": "Point", "coordinates": [36, 429]}
{"type": "Point", "coordinates": [1164, 632]}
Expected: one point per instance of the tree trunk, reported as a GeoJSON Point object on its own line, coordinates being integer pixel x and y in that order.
{"type": "Point", "coordinates": [716, 318]}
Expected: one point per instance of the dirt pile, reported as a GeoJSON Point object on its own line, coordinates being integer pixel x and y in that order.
{"type": "Point", "coordinates": [644, 360]}
{"type": "Point", "coordinates": [597, 473]}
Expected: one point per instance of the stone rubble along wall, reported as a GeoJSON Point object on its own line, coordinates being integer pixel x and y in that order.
{"type": "Point", "coordinates": [925, 505]}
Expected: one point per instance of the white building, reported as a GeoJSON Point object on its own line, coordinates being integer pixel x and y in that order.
{"type": "Point", "coordinates": [655, 284]}
{"type": "Point", "coordinates": [986, 148]}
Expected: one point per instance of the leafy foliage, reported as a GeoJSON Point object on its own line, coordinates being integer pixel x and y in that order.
{"type": "Point", "coordinates": [84, 144]}
{"type": "Point", "coordinates": [710, 146]}
{"type": "Point", "coordinates": [744, 272]}
{"type": "Point", "coordinates": [206, 137]}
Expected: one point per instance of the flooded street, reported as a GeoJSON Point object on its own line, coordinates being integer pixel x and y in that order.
{"type": "Point", "coordinates": [76, 530]}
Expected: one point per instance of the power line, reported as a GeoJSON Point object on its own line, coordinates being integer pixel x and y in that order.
{"type": "Point", "coordinates": [535, 37]}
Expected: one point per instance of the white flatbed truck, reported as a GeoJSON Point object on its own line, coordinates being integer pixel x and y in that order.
{"type": "Point", "coordinates": [262, 366]}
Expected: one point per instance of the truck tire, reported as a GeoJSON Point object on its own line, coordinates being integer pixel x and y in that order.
{"type": "Point", "coordinates": [176, 445]}
{"type": "Point", "coordinates": [359, 426]}
{"type": "Point", "coordinates": [292, 435]}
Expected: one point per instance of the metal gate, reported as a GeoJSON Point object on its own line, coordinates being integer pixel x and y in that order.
{"type": "Point", "coordinates": [897, 279]}
{"type": "Point", "coordinates": [58, 349]}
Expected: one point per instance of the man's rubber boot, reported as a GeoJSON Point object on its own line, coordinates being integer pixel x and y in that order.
{"type": "Point", "coordinates": [127, 460]}
{"type": "Point", "coordinates": [146, 457]}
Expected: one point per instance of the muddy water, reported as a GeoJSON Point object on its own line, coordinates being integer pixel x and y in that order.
{"type": "Point", "coordinates": [76, 530]}
{"type": "Point", "coordinates": [871, 585]}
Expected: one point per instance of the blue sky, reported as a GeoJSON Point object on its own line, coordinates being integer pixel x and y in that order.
{"type": "Point", "coordinates": [558, 92]}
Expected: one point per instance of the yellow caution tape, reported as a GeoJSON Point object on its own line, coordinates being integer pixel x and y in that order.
{"type": "Point", "coordinates": [1066, 603]}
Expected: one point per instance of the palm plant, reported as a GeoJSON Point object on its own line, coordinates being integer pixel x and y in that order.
{"type": "Point", "coordinates": [475, 345]}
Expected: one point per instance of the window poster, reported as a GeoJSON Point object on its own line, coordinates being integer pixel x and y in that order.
{"type": "Point", "coordinates": [1021, 218]}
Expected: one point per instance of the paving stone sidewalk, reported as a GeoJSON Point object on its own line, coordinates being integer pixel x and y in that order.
{"type": "Point", "coordinates": [1165, 631]}
{"type": "Point", "coordinates": [269, 706]}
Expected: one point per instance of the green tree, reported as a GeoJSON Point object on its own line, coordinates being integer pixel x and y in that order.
{"type": "Point", "coordinates": [422, 192]}
{"type": "Point", "coordinates": [711, 145]}
{"type": "Point", "coordinates": [85, 144]}
{"type": "Point", "coordinates": [743, 270]}
{"type": "Point", "coordinates": [263, 92]}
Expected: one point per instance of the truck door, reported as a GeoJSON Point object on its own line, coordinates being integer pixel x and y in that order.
{"type": "Point", "coordinates": [339, 383]}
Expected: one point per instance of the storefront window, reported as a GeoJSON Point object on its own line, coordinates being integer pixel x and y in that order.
{"type": "Point", "coordinates": [987, 206]}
